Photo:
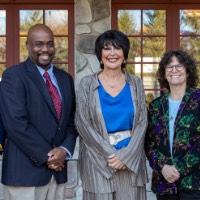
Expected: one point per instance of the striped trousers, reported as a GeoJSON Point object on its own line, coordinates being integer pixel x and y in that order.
{"type": "Point", "coordinates": [124, 190]}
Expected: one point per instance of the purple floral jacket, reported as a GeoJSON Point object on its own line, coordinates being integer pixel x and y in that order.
{"type": "Point", "coordinates": [186, 144]}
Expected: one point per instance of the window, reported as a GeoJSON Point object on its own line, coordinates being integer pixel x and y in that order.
{"type": "Point", "coordinates": [154, 29]}
{"type": "Point", "coordinates": [2, 40]}
{"type": "Point", "coordinates": [16, 20]}
{"type": "Point", "coordinates": [57, 20]}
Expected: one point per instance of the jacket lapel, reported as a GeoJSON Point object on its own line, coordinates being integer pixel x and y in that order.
{"type": "Point", "coordinates": [39, 82]}
{"type": "Point", "coordinates": [186, 97]}
{"type": "Point", "coordinates": [165, 105]}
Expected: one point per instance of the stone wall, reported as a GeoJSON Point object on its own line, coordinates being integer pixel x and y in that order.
{"type": "Point", "coordinates": [92, 17]}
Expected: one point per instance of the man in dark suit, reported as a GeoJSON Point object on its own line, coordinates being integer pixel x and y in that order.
{"type": "Point", "coordinates": [40, 131]}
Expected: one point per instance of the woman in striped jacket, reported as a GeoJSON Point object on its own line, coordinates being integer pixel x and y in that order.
{"type": "Point", "coordinates": [111, 118]}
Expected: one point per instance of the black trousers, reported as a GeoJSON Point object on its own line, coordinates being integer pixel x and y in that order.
{"type": "Point", "coordinates": [168, 197]}
{"type": "Point", "coordinates": [189, 194]}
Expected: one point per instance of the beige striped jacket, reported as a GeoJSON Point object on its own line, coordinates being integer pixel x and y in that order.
{"type": "Point", "coordinates": [96, 176]}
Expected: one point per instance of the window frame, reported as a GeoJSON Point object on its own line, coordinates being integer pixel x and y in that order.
{"type": "Point", "coordinates": [12, 27]}
{"type": "Point", "coordinates": [154, 1]}
{"type": "Point", "coordinates": [172, 14]}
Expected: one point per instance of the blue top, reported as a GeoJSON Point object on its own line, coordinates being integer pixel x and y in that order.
{"type": "Point", "coordinates": [118, 112]}
{"type": "Point", "coordinates": [173, 110]}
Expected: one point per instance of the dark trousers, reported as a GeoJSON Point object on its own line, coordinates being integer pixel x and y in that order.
{"type": "Point", "coordinates": [168, 197]}
{"type": "Point", "coordinates": [189, 194]}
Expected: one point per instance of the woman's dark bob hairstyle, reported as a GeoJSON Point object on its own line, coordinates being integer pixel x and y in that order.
{"type": "Point", "coordinates": [185, 59]}
{"type": "Point", "coordinates": [115, 38]}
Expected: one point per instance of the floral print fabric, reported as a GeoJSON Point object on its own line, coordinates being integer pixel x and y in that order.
{"type": "Point", "coordinates": [186, 144]}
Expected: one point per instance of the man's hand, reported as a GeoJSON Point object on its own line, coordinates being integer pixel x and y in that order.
{"type": "Point", "coordinates": [170, 173]}
{"type": "Point", "coordinates": [57, 158]}
{"type": "Point", "coordinates": [115, 163]}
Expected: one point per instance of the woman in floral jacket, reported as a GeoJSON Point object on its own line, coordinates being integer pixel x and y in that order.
{"type": "Point", "coordinates": [172, 141]}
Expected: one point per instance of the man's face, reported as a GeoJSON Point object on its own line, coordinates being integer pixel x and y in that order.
{"type": "Point", "coordinates": [40, 45]}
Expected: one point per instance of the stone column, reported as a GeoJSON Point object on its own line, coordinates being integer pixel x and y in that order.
{"type": "Point", "coordinates": [92, 17]}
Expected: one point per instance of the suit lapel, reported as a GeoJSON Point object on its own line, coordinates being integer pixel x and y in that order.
{"type": "Point", "coordinates": [39, 82]}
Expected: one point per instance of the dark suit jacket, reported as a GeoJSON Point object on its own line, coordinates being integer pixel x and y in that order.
{"type": "Point", "coordinates": [96, 175]}
{"type": "Point", "coordinates": [29, 117]}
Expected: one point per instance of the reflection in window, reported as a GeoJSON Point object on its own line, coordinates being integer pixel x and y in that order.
{"type": "Point", "coordinates": [191, 45]}
{"type": "Point", "coordinates": [154, 47]}
{"type": "Point", "coordinates": [133, 69]}
{"type": "Point", "coordinates": [2, 49]}
{"type": "Point", "coordinates": [23, 51]}
{"type": "Point", "coordinates": [189, 32]}
{"type": "Point", "coordinates": [149, 97]}
{"type": "Point", "coordinates": [61, 44]}
{"type": "Point", "coordinates": [62, 66]}
{"type": "Point", "coordinates": [2, 68]}
{"type": "Point", "coordinates": [154, 22]}
{"type": "Point", "coordinates": [149, 76]}
{"type": "Point", "coordinates": [198, 69]}
{"type": "Point", "coordinates": [189, 22]}
{"type": "Point", "coordinates": [129, 21]}
{"type": "Point", "coordinates": [29, 18]}
{"type": "Point", "coordinates": [2, 41]}
{"type": "Point", "coordinates": [135, 49]}
{"type": "Point", "coordinates": [57, 20]}
{"type": "Point", "coordinates": [2, 22]}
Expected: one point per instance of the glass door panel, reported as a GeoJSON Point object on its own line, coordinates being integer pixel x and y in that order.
{"type": "Point", "coordinates": [2, 41]}
{"type": "Point", "coordinates": [154, 22]}
{"type": "Point", "coordinates": [189, 22]}
{"type": "Point", "coordinates": [190, 32]}
{"type": "Point", "coordinates": [149, 76]}
{"type": "Point", "coordinates": [191, 45]}
{"type": "Point", "coordinates": [129, 21]}
{"type": "Point", "coordinates": [154, 47]}
{"type": "Point", "coordinates": [146, 30]}
{"type": "Point", "coordinates": [28, 18]}
{"type": "Point", "coordinates": [154, 29]}
{"type": "Point", "coordinates": [57, 20]}
{"type": "Point", "coordinates": [134, 69]}
{"type": "Point", "coordinates": [135, 49]}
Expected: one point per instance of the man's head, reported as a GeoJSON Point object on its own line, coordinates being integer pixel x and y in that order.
{"type": "Point", "coordinates": [40, 45]}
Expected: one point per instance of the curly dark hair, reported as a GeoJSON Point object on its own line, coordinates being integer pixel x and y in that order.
{"type": "Point", "coordinates": [115, 38]}
{"type": "Point", "coordinates": [185, 59]}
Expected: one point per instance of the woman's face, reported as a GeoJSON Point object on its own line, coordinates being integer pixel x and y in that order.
{"type": "Point", "coordinates": [175, 73]}
{"type": "Point", "coordinates": [112, 57]}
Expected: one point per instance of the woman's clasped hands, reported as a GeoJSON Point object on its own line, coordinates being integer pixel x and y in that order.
{"type": "Point", "coordinates": [115, 163]}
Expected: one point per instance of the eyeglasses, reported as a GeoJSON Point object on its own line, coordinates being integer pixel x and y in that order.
{"type": "Point", "coordinates": [178, 67]}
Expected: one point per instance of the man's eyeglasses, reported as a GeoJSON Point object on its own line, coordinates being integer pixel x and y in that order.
{"type": "Point", "coordinates": [178, 67]}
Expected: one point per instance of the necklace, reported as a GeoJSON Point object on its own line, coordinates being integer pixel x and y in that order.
{"type": "Point", "coordinates": [173, 108]}
{"type": "Point", "coordinates": [112, 83]}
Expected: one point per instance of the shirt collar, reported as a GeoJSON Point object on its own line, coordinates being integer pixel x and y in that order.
{"type": "Point", "coordinates": [42, 71]}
